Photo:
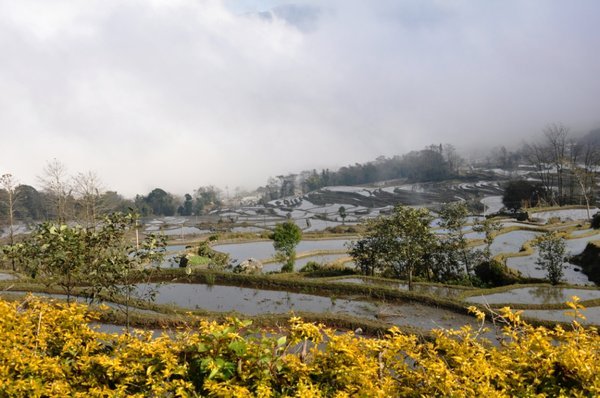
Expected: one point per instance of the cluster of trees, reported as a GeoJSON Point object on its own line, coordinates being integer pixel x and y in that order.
{"type": "Point", "coordinates": [158, 202]}
{"type": "Point", "coordinates": [565, 166]}
{"type": "Point", "coordinates": [434, 163]}
{"type": "Point", "coordinates": [286, 237]}
{"type": "Point", "coordinates": [552, 249]}
{"type": "Point", "coordinates": [522, 193]}
{"type": "Point", "coordinates": [97, 262]}
{"type": "Point", "coordinates": [63, 197]}
{"type": "Point", "coordinates": [83, 198]}
{"type": "Point", "coordinates": [403, 245]}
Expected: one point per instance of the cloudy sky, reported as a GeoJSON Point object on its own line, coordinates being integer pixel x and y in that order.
{"type": "Point", "coordinates": [184, 93]}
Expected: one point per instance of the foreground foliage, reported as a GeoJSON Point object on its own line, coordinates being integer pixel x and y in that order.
{"type": "Point", "coordinates": [101, 258]}
{"type": "Point", "coordinates": [49, 350]}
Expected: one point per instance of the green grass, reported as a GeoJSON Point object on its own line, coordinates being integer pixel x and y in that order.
{"type": "Point", "coordinates": [196, 260]}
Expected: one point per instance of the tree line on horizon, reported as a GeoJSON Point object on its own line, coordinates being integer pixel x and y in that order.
{"type": "Point", "coordinates": [565, 166]}
{"type": "Point", "coordinates": [82, 197]}
{"type": "Point", "coordinates": [433, 163]}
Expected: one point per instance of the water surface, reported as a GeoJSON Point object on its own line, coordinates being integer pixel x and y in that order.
{"type": "Point", "coordinates": [255, 301]}
{"type": "Point", "coordinates": [440, 291]}
{"type": "Point", "coordinates": [592, 315]}
{"type": "Point", "coordinates": [536, 295]}
{"type": "Point", "coordinates": [528, 267]}
{"type": "Point", "coordinates": [511, 242]}
{"type": "Point", "coordinates": [7, 277]}
{"type": "Point", "coordinates": [264, 250]}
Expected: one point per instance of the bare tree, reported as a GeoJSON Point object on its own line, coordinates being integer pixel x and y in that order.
{"type": "Point", "coordinates": [453, 158]}
{"type": "Point", "coordinates": [583, 176]}
{"type": "Point", "coordinates": [9, 185]}
{"type": "Point", "coordinates": [590, 161]}
{"type": "Point", "coordinates": [556, 137]}
{"type": "Point", "coordinates": [538, 155]}
{"type": "Point", "coordinates": [87, 187]}
{"type": "Point", "coordinates": [55, 183]}
{"type": "Point", "coordinates": [551, 157]}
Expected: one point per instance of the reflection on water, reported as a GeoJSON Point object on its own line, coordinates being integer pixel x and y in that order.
{"type": "Point", "coordinates": [434, 290]}
{"type": "Point", "coordinates": [251, 301]}
{"type": "Point", "coordinates": [255, 301]}
{"type": "Point", "coordinates": [536, 295]}
{"type": "Point", "coordinates": [7, 277]}
{"type": "Point", "coordinates": [264, 250]}
{"type": "Point", "coordinates": [527, 266]}
{"type": "Point", "coordinates": [592, 315]}
{"type": "Point", "coordinates": [511, 242]}
{"type": "Point", "coordinates": [301, 262]}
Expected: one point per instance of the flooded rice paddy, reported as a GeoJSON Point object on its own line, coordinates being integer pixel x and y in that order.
{"type": "Point", "coordinates": [7, 277]}
{"type": "Point", "coordinates": [439, 291]}
{"type": "Point", "coordinates": [536, 295]}
{"type": "Point", "coordinates": [511, 242]}
{"type": "Point", "coordinates": [301, 262]}
{"type": "Point", "coordinates": [527, 266]}
{"type": "Point", "coordinates": [592, 315]}
{"type": "Point", "coordinates": [264, 250]}
{"type": "Point", "coordinates": [572, 274]}
{"type": "Point", "coordinates": [249, 301]}
{"type": "Point", "coordinates": [564, 215]}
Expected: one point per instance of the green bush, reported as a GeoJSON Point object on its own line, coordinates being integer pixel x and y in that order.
{"type": "Point", "coordinates": [494, 273]}
{"type": "Point", "coordinates": [220, 260]}
{"type": "Point", "coordinates": [522, 216]}
{"type": "Point", "coordinates": [330, 271]}
{"type": "Point", "coordinates": [596, 221]}
{"type": "Point", "coordinates": [311, 266]}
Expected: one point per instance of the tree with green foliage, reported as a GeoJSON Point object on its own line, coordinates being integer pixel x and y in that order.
{"type": "Point", "coordinates": [99, 262]}
{"type": "Point", "coordinates": [400, 244]}
{"type": "Point", "coordinates": [286, 237]}
{"type": "Point", "coordinates": [121, 263]}
{"type": "Point", "coordinates": [187, 208]}
{"type": "Point", "coordinates": [161, 202]}
{"type": "Point", "coordinates": [30, 205]}
{"type": "Point", "coordinates": [552, 249]}
{"type": "Point", "coordinates": [518, 193]}
{"type": "Point", "coordinates": [367, 250]}
{"type": "Point", "coordinates": [490, 228]}
{"type": "Point", "coordinates": [207, 198]}
{"type": "Point", "coordinates": [494, 273]}
{"type": "Point", "coordinates": [595, 223]}
{"type": "Point", "coordinates": [59, 254]}
{"type": "Point", "coordinates": [453, 218]}
{"type": "Point", "coordinates": [343, 214]}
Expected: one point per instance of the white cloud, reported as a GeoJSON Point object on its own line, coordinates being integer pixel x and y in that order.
{"type": "Point", "coordinates": [188, 93]}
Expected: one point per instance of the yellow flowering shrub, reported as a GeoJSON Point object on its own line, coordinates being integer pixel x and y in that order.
{"type": "Point", "coordinates": [47, 349]}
